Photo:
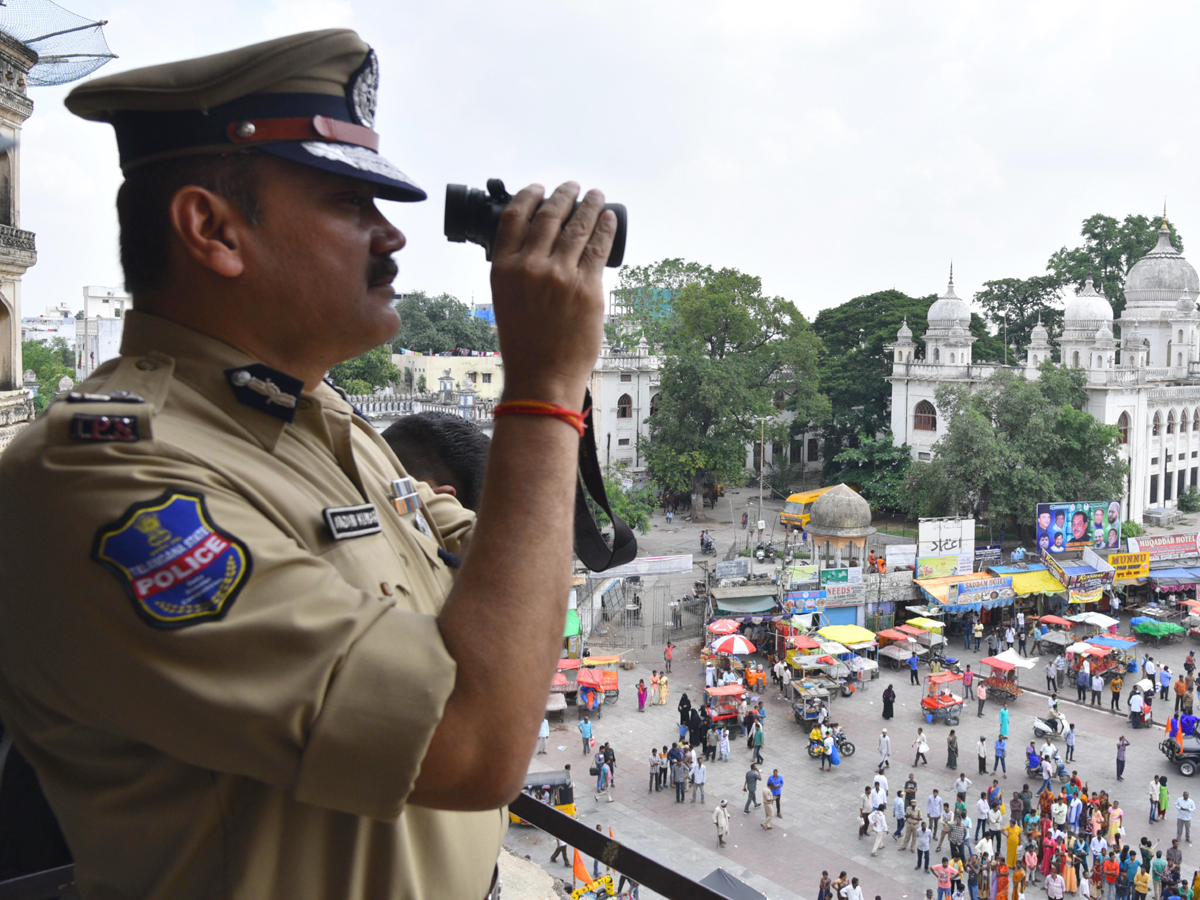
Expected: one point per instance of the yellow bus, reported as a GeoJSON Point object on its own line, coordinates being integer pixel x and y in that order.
{"type": "Point", "coordinates": [798, 507]}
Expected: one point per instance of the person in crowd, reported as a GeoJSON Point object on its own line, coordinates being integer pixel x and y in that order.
{"type": "Point", "coordinates": [721, 820]}
{"type": "Point", "coordinates": [447, 452]}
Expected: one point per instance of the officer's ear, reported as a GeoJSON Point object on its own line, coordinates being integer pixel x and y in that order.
{"type": "Point", "coordinates": [210, 228]}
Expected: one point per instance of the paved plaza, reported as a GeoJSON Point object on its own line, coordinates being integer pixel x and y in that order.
{"type": "Point", "coordinates": [819, 828]}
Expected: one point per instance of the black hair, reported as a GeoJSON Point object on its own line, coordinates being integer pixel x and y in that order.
{"type": "Point", "coordinates": [145, 197]}
{"type": "Point", "coordinates": [445, 448]}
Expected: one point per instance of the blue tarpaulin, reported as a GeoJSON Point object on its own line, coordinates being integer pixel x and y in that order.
{"type": "Point", "coordinates": [1103, 641]}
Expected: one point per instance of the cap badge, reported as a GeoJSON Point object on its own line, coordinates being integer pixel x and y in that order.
{"type": "Point", "coordinates": [363, 88]}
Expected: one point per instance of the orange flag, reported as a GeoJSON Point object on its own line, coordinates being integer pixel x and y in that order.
{"type": "Point", "coordinates": [580, 871]}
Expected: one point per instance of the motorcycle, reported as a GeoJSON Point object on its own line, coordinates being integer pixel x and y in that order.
{"type": "Point", "coordinates": [948, 663]}
{"type": "Point", "coordinates": [1060, 770]}
{"type": "Point", "coordinates": [816, 748]}
{"type": "Point", "coordinates": [1049, 726]}
{"type": "Point", "coordinates": [708, 547]}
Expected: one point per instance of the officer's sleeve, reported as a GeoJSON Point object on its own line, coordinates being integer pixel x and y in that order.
{"type": "Point", "coordinates": [454, 521]}
{"type": "Point", "coordinates": [298, 679]}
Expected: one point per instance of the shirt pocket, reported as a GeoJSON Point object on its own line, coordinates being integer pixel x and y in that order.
{"type": "Point", "coordinates": [372, 565]}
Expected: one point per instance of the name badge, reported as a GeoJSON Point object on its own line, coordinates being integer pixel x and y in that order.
{"type": "Point", "coordinates": [352, 521]}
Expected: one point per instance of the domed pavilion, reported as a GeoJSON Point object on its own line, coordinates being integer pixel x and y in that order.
{"type": "Point", "coordinates": [840, 524]}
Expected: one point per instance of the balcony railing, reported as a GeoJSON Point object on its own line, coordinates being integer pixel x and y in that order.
{"type": "Point", "coordinates": [644, 870]}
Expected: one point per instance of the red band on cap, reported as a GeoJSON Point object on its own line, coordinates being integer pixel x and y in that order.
{"type": "Point", "coordinates": [318, 128]}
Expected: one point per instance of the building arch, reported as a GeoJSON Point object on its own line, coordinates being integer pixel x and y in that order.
{"type": "Point", "coordinates": [1123, 428]}
{"type": "Point", "coordinates": [951, 357]}
{"type": "Point", "coordinates": [1183, 422]}
{"type": "Point", "coordinates": [937, 354]}
{"type": "Point", "coordinates": [1156, 428]}
{"type": "Point", "coordinates": [1075, 360]}
{"type": "Point", "coordinates": [654, 403]}
{"type": "Point", "coordinates": [625, 407]}
{"type": "Point", "coordinates": [1171, 422]}
{"type": "Point", "coordinates": [924, 417]}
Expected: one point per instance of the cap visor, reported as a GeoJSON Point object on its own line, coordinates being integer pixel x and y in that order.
{"type": "Point", "coordinates": [350, 161]}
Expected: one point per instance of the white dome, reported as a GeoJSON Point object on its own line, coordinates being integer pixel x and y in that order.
{"type": "Point", "coordinates": [1088, 305]}
{"type": "Point", "coordinates": [905, 333]}
{"type": "Point", "coordinates": [1159, 277]}
{"type": "Point", "coordinates": [1185, 304]}
{"type": "Point", "coordinates": [949, 307]}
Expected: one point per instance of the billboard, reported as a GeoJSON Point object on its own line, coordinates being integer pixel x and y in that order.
{"type": "Point", "coordinates": [804, 601]}
{"type": "Point", "coordinates": [734, 568]}
{"type": "Point", "coordinates": [937, 566]}
{"type": "Point", "coordinates": [845, 594]}
{"type": "Point", "coordinates": [847, 575]}
{"type": "Point", "coordinates": [946, 537]}
{"type": "Point", "coordinates": [901, 556]}
{"type": "Point", "coordinates": [801, 574]}
{"type": "Point", "coordinates": [1130, 565]}
{"type": "Point", "coordinates": [987, 555]}
{"type": "Point", "coordinates": [1079, 525]}
{"type": "Point", "coordinates": [980, 591]}
{"type": "Point", "coordinates": [1167, 546]}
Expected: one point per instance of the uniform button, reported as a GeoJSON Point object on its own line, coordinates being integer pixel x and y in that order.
{"type": "Point", "coordinates": [304, 403]}
{"type": "Point", "coordinates": [146, 365]}
{"type": "Point", "coordinates": [386, 588]}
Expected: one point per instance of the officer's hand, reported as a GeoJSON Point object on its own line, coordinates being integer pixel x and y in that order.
{"type": "Point", "coordinates": [546, 286]}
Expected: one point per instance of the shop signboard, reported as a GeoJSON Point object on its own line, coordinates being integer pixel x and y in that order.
{"type": "Point", "coordinates": [980, 591]}
{"type": "Point", "coordinates": [1130, 565]}
{"type": "Point", "coordinates": [734, 568]}
{"type": "Point", "coordinates": [1167, 546]}
{"type": "Point", "coordinates": [1085, 595]}
{"type": "Point", "coordinates": [937, 566]}
{"type": "Point", "coordinates": [1078, 525]}
{"type": "Point", "coordinates": [802, 575]}
{"type": "Point", "coordinates": [804, 601]}
{"type": "Point", "coordinates": [1054, 568]}
{"type": "Point", "coordinates": [987, 555]}
{"type": "Point", "coordinates": [946, 537]}
{"type": "Point", "coordinates": [844, 575]}
{"type": "Point", "coordinates": [900, 556]}
{"type": "Point", "coordinates": [845, 594]}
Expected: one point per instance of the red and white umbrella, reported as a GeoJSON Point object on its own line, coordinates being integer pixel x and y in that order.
{"type": "Point", "coordinates": [723, 626]}
{"type": "Point", "coordinates": [733, 644]}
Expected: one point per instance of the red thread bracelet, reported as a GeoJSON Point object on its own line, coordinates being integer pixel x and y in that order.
{"type": "Point", "coordinates": [538, 408]}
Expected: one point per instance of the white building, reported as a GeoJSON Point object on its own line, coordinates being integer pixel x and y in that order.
{"type": "Point", "coordinates": [105, 302]}
{"type": "Point", "coordinates": [1147, 383]}
{"type": "Point", "coordinates": [625, 386]}
{"type": "Point", "coordinates": [97, 340]}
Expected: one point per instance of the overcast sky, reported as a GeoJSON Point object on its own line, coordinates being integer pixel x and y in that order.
{"type": "Point", "coordinates": [833, 149]}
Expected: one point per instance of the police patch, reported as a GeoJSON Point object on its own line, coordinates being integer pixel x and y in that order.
{"type": "Point", "coordinates": [177, 567]}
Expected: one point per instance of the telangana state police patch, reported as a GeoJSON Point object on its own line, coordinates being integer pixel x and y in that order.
{"type": "Point", "coordinates": [177, 567]}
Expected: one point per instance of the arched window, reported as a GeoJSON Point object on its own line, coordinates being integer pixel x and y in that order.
{"type": "Point", "coordinates": [1196, 420]}
{"type": "Point", "coordinates": [1075, 359]}
{"type": "Point", "coordinates": [1171, 422]}
{"type": "Point", "coordinates": [925, 417]}
{"type": "Point", "coordinates": [937, 355]}
{"type": "Point", "coordinates": [1035, 359]}
{"type": "Point", "coordinates": [625, 407]}
{"type": "Point", "coordinates": [654, 404]}
{"type": "Point", "coordinates": [908, 356]}
{"type": "Point", "coordinates": [899, 356]}
{"type": "Point", "coordinates": [1157, 427]}
{"type": "Point", "coordinates": [1123, 428]}
{"type": "Point", "coordinates": [1181, 335]}
{"type": "Point", "coordinates": [1179, 359]}
{"type": "Point", "coordinates": [1183, 422]}
{"type": "Point", "coordinates": [952, 358]}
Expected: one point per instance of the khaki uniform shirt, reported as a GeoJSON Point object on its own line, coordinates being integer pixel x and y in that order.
{"type": "Point", "coordinates": [220, 699]}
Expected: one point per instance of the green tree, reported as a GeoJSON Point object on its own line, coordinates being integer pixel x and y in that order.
{"type": "Point", "coordinates": [1021, 302]}
{"type": "Point", "coordinates": [647, 296]}
{"type": "Point", "coordinates": [1189, 500]}
{"type": "Point", "coordinates": [730, 355]}
{"type": "Point", "coordinates": [421, 383]}
{"type": "Point", "coordinates": [878, 469]}
{"type": "Point", "coordinates": [854, 365]}
{"type": "Point", "coordinates": [48, 364]}
{"type": "Point", "coordinates": [440, 324]}
{"type": "Point", "coordinates": [1109, 250]}
{"type": "Point", "coordinates": [364, 374]}
{"type": "Point", "coordinates": [1012, 443]}
{"type": "Point", "coordinates": [632, 502]}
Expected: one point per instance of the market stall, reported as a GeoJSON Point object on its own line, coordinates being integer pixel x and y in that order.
{"type": "Point", "coordinates": [1156, 632]}
{"type": "Point", "coordinates": [1101, 661]}
{"type": "Point", "coordinates": [723, 703]}
{"type": "Point", "coordinates": [590, 700]}
{"type": "Point", "coordinates": [1094, 623]}
{"type": "Point", "coordinates": [1002, 683]}
{"type": "Point", "coordinates": [940, 703]}
{"type": "Point", "coordinates": [899, 647]}
{"type": "Point", "coordinates": [556, 707]}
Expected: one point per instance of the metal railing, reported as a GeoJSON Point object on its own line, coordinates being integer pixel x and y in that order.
{"type": "Point", "coordinates": [625, 860]}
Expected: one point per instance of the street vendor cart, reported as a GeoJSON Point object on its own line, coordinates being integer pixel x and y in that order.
{"type": "Point", "coordinates": [1155, 632]}
{"type": "Point", "coordinates": [590, 701]}
{"type": "Point", "coordinates": [1056, 639]}
{"type": "Point", "coordinates": [1101, 661]}
{"type": "Point", "coordinates": [556, 707]}
{"type": "Point", "coordinates": [1124, 650]}
{"type": "Point", "coordinates": [1002, 682]}
{"type": "Point", "coordinates": [940, 703]}
{"type": "Point", "coordinates": [561, 684]}
{"type": "Point", "coordinates": [899, 647]}
{"type": "Point", "coordinates": [606, 667]}
{"type": "Point", "coordinates": [723, 702]}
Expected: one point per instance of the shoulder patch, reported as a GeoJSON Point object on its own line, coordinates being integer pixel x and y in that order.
{"type": "Point", "coordinates": [175, 564]}
{"type": "Point", "coordinates": [106, 429]}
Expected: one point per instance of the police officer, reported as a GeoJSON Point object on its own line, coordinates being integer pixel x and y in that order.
{"type": "Point", "coordinates": [230, 640]}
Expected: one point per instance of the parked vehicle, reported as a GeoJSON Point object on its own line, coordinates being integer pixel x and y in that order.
{"type": "Point", "coordinates": [815, 748]}
{"type": "Point", "coordinates": [1184, 752]}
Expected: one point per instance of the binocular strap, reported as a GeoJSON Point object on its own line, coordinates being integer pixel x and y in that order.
{"type": "Point", "coordinates": [590, 545]}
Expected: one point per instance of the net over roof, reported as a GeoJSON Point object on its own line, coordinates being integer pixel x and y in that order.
{"type": "Point", "coordinates": [69, 46]}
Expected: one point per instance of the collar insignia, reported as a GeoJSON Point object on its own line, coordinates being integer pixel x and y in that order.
{"type": "Point", "coordinates": [265, 389]}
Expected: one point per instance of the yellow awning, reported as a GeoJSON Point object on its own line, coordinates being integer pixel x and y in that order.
{"type": "Point", "coordinates": [1040, 582]}
{"type": "Point", "coordinates": [926, 624]}
{"type": "Point", "coordinates": [846, 634]}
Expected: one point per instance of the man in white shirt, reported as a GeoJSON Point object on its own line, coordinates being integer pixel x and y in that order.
{"type": "Point", "coordinates": [699, 775]}
{"type": "Point", "coordinates": [1020, 621]}
{"type": "Point", "coordinates": [961, 784]}
{"type": "Point", "coordinates": [1055, 886]}
{"type": "Point", "coordinates": [879, 797]}
{"type": "Point", "coordinates": [852, 891]}
{"type": "Point", "coordinates": [1183, 825]}
{"type": "Point", "coordinates": [885, 749]}
{"type": "Point", "coordinates": [1135, 709]}
{"type": "Point", "coordinates": [881, 781]}
{"type": "Point", "coordinates": [1149, 668]}
{"type": "Point", "coordinates": [879, 827]}
{"type": "Point", "coordinates": [934, 810]}
{"type": "Point", "coordinates": [982, 808]}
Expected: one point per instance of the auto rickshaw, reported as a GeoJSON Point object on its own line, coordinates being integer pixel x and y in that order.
{"type": "Point", "coordinates": [553, 788]}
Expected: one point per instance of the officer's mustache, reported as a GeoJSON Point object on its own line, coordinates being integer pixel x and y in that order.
{"type": "Point", "coordinates": [381, 270]}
